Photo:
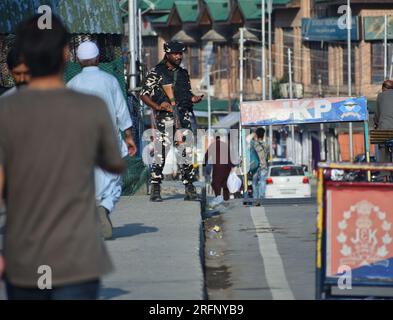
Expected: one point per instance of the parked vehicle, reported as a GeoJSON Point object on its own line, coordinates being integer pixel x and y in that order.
{"type": "Point", "coordinates": [358, 175]}
{"type": "Point", "coordinates": [355, 175]}
{"type": "Point", "coordinates": [280, 162]}
{"type": "Point", "coordinates": [287, 181]}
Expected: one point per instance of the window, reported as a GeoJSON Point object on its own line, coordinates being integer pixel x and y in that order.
{"type": "Point", "coordinates": [319, 62]}
{"type": "Point", "coordinates": [253, 56]}
{"type": "Point", "coordinates": [286, 171]}
{"type": "Point", "coordinates": [288, 43]}
{"type": "Point", "coordinates": [193, 64]}
{"type": "Point", "coordinates": [377, 61]}
{"type": "Point", "coordinates": [223, 60]}
{"type": "Point", "coordinates": [150, 52]}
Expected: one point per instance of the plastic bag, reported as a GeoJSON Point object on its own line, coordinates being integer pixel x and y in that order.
{"type": "Point", "coordinates": [233, 183]}
{"type": "Point", "coordinates": [216, 201]}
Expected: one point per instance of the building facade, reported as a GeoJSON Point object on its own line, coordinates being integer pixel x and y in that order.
{"type": "Point", "coordinates": [319, 57]}
{"type": "Point", "coordinates": [313, 30]}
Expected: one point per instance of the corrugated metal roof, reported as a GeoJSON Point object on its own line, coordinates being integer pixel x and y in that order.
{"type": "Point", "coordinates": [218, 9]}
{"type": "Point", "coordinates": [251, 9]}
{"type": "Point", "coordinates": [84, 16]}
{"type": "Point", "coordinates": [159, 5]}
{"type": "Point", "coordinates": [164, 4]}
{"type": "Point", "coordinates": [188, 10]}
{"type": "Point", "coordinates": [14, 11]}
{"type": "Point", "coordinates": [281, 2]}
{"type": "Point", "coordinates": [161, 19]}
{"type": "Point", "coordinates": [155, 5]}
{"type": "Point", "coordinates": [91, 16]}
{"type": "Point", "coordinates": [142, 4]}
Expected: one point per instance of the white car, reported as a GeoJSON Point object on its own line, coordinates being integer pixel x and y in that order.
{"type": "Point", "coordinates": [280, 162]}
{"type": "Point", "coordinates": [287, 181]}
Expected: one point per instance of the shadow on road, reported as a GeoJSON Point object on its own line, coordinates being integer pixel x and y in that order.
{"type": "Point", "coordinates": [289, 201]}
{"type": "Point", "coordinates": [132, 229]}
{"type": "Point", "coordinates": [111, 293]}
{"type": "Point", "coordinates": [173, 197]}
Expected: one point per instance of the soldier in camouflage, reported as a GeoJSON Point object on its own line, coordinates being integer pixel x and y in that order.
{"type": "Point", "coordinates": [171, 114]}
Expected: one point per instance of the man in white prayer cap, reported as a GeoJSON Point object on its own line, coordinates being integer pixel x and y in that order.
{"type": "Point", "coordinates": [94, 81]}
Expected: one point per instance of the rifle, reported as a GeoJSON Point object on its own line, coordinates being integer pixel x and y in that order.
{"type": "Point", "coordinates": [168, 90]}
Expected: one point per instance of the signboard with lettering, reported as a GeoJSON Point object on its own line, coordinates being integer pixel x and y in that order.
{"type": "Point", "coordinates": [328, 29]}
{"type": "Point", "coordinates": [276, 112]}
{"type": "Point", "coordinates": [359, 231]}
{"type": "Point", "coordinates": [374, 28]}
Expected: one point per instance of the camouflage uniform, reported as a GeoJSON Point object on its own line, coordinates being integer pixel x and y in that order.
{"type": "Point", "coordinates": [165, 121]}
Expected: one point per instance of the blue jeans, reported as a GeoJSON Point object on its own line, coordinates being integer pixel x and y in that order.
{"type": "Point", "coordinates": [79, 291]}
{"type": "Point", "coordinates": [259, 184]}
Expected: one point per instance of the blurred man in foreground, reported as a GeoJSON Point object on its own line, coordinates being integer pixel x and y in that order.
{"type": "Point", "coordinates": [50, 140]}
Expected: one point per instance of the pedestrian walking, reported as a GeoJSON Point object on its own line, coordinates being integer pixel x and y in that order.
{"type": "Point", "coordinates": [167, 90]}
{"type": "Point", "coordinates": [50, 140]}
{"type": "Point", "coordinates": [259, 177]}
{"type": "Point", "coordinates": [18, 69]}
{"type": "Point", "coordinates": [218, 156]}
{"type": "Point", "coordinates": [383, 117]}
{"type": "Point", "coordinates": [94, 81]}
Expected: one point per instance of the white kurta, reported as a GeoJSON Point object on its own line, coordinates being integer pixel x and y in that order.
{"type": "Point", "coordinates": [94, 81]}
{"type": "Point", "coordinates": [9, 92]}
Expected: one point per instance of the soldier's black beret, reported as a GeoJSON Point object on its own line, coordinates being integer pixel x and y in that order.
{"type": "Point", "coordinates": [174, 46]}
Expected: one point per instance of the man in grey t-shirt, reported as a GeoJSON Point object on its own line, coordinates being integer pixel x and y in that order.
{"type": "Point", "coordinates": [383, 117]}
{"type": "Point", "coordinates": [50, 140]}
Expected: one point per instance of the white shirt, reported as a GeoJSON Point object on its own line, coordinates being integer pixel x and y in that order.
{"type": "Point", "coordinates": [94, 81]}
{"type": "Point", "coordinates": [9, 92]}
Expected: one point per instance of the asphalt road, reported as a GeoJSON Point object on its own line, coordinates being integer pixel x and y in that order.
{"type": "Point", "coordinates": [265, 252]}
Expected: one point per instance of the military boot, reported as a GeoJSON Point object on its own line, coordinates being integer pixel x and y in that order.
{"type": "Point", "coordinates": [191, 193]}
{"type": "Point", "coordinates": [155, 193]}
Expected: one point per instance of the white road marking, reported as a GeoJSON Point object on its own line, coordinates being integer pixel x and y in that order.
{"type": "Point", "coordinates": [274, 268]}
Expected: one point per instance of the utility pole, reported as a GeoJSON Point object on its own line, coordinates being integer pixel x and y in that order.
{"type": "Point", "coordinates": [209, 110]}
{"type": "Point", "coordinates": [242, 135]}
{"type": "Point", "coordinates": [269, 9]}
{"type": "Point", "coordinates": [263, 50]}
{"type": "Point", "coordinates": [321, 125]}
{"type": "Point", "coordinates": [291, 97]}
{"type": "Point", "coordinates": [140, 36]}
{"type": "Point", "coordinates": [391, 68]}
{"type": "Point", "coordinates": [241, 49]}
{"type": "Point", "coordinates": [349, 27]}
{"type": "Point", "coordinates": [385, 44]}
{"type": "Point", "coordinates": [132, 40]}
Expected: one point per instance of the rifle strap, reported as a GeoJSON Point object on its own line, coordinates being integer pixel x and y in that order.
{"type": "Point", "coordinates": [176, 115]}
{"type": "Point", "coordinates": [175, 78]}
